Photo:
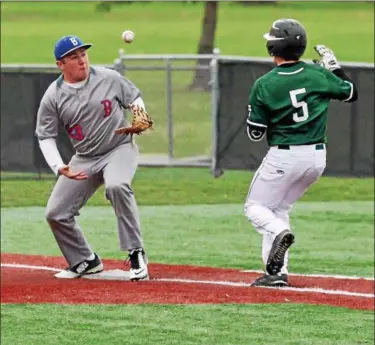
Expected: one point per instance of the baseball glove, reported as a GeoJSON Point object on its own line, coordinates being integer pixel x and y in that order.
{"type": "Point", "coordinates": [141, 121]}
{"type": "Point", "coordinates": [327, 58]}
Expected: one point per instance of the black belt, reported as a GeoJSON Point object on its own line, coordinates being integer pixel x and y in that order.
{"type": "Point", "coordinates": [287, 147]}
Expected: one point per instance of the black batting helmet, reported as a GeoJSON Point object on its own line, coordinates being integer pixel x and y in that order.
{"type": "Point", "coordinates": [287, 38]}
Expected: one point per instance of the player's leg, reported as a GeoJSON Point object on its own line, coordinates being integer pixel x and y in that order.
{"type": "Point", "coordinates": [282, 212]}
{"type": "Point", "coordinates": [280, 279]}
{"type": "Point", "coordinates": [280, 207]}
{"type": "Point", "coordinates": [118, 175]}
{"type": "Point", "coordinates": [267, 190]}
{"type": "Point", "coordinates": [296, 191]}
{"type": "Point", "coordinates": [267, 241]}
{"type": "Point", "coordinates": [67, 197]}
{"type": "Point", "coordinates": [268, 238]}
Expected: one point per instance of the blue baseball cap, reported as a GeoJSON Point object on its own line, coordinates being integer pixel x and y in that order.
{"type": "Point", "coordinates": [67, 44]}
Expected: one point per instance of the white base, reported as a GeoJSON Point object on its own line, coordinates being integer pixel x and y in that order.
{"type": "Point", "coordinates": [109, 275]}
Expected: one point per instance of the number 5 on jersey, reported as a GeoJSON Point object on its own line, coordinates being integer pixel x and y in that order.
{"type": "Point", "coordinates": [305, 112]}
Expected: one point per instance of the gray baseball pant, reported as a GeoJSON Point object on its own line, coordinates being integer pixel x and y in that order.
{"type": "Point", "coordinates": [116, 170]}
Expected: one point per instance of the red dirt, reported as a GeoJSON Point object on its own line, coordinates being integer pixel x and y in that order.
{"type": "Point", "coordinates": [25, 285]}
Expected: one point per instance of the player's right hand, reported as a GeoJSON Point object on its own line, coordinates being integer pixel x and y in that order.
{"type": "Point", "coordinates": [327, 58]}
{"type": "Point", "coordinates": [67, 172]}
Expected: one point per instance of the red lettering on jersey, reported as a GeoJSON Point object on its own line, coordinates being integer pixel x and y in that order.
{"type": "Point", "coordinates": [107, 104]}
{"type": "Point", "coordinates": [75, 132]}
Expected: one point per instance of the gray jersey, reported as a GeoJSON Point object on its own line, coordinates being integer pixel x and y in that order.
{"type": "Point", "coordinates": [90, 114]}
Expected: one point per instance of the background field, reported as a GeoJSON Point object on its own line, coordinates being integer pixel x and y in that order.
{"type": "Point", "coordinates": [175, 28]}
{"type": "Point", "coordinates": [170, 28]}
{"type": "Point", "coordinates": [188, 217]}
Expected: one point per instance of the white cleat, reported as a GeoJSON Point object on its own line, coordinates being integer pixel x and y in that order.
{"type": "Point", "coordinates": [67, 274]}
{"type": "Point", "coordinates": [138, 274]}
{"type": "Point", "coordinates": [138, 265]}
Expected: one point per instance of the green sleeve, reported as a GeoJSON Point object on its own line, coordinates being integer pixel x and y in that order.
{"type": "Point", "coordinates": [338, 88]}
{"type": "Point", "coordinates": [257, 109]}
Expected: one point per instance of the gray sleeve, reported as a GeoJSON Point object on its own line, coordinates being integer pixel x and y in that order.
{"type": "Point", "coordinates": [128, 91]}
{"type": "Point", "coordinates": [47, 123]}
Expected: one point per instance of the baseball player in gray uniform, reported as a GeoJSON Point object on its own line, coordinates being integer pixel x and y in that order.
{"type": "Point", "coordinates": [89, 102]}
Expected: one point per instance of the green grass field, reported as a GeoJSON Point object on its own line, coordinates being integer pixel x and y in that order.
{"type": "Point", "coordinates": [198, 214]}
{"type": "Point", "coordinates": [187, 216]}
{"type": "Point", "coordinates": [163, 28]}
{"type": "Point", "coordinates": [208, 325]}
{"type": "Point", "coordinates": [203, 219]}
{"type": "Point", "coordinates": [175, 28]}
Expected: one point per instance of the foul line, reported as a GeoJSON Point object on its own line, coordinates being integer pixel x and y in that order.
{"type": "Point", "coordinates": [317, 275]}
{"type": "Point", "coordinates": [225, 283]}
{"type": "Point", "coordinates": [43, 268]}
{"type": "Point", "coordinates": [313, 290]}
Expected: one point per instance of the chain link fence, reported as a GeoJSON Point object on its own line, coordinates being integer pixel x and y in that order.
{"type": "Point", "coordinates": [181, 113]}
{"type": "Point", "coordinates": [186, 97]}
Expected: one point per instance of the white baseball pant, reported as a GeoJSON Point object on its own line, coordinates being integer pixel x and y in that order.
{"type": "Point", "coordinates": [282, 178]}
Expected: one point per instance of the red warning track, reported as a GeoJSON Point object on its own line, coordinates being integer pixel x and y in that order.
{"type": "Point", "coordinates": [195, 285]}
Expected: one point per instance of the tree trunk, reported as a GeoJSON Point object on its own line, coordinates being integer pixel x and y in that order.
{"type": "Point", "coordinates": [206, 45]}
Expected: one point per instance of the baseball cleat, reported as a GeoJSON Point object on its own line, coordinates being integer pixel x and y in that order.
{"type": "Point", "coordinates": [279, 247]}
{"type": "Point", "coordinates": [271, 280]}
{"type": "Point", "coordinates": [138, 265]}
{"type": "Point", "coordinates": [83, 268]}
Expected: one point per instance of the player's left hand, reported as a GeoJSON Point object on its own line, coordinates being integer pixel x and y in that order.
{"type": "Point", "coordinates": [327, 58]}
{"type": "Point", "coordinates": [141, 121]}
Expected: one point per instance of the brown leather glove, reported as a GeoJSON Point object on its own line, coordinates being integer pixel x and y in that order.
{"type": "Point", "coordinates": [141, 121]}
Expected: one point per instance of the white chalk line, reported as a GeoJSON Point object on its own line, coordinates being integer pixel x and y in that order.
{"type": "Point", "coordinates": [313, 290]}
{"type": "Point", "coordinates": [317, 275]}
{"type": "Point", "coordinates": [247, 271]}
{"type": "Point", "coordinates": [224, 283]}
{"type": "Point", "coordinates": [43, 268]}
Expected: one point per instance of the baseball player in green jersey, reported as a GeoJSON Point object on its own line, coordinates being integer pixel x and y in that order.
{"type": "Point", "coordinates": [288, 106]}
{"type": "Point", "coordinates": [89, 102]}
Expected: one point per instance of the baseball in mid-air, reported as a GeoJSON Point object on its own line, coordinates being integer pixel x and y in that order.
{"type": "Point", "coordinates": [128, 36]}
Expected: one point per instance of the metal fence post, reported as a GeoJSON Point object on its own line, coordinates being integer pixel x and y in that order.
{"type": "Point", "coordinates": [119, 64]}
{"type": "Point", "coordinates": [214, 108]}
{"type": "Point", "coordinates": [353, 128]}
{"type": "Point", "coordinates": [168, 66]}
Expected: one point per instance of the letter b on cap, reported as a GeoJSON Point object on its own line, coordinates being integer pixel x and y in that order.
{"type": "Point", "coordinates": [74, 41]}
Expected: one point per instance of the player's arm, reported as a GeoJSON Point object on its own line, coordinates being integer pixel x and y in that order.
{"type": "Point", "coordinates": [257, 120]}
{"type": "Point", "coordinates": [139, 102]}
{"type": "Point", "coordinates": [340, 86]}
{"type": "Point", "coordinates": [47, 131]}
{"type": "Point", "coordinates": [130, 98]}
{"type": "Point", "coordinates": [353, 92]}
{"type": "Point", "coordinates": [51, 154]}
{"type": "Point", "coordinates": [128, 93]}
{"type": "Point", "coordinates": [53, 158]}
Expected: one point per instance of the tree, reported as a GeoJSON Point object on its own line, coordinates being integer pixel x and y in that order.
{"type": "Point", "coordinates": [206, 46]}
{"type": "Point", "coordinates": [103, 6]}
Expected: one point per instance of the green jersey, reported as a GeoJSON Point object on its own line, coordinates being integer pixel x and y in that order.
{"type": "Point", "coordinates": [291, 103]}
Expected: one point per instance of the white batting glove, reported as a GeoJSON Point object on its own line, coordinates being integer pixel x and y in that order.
{"type": "Point", "coordinates": [327, 58]}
